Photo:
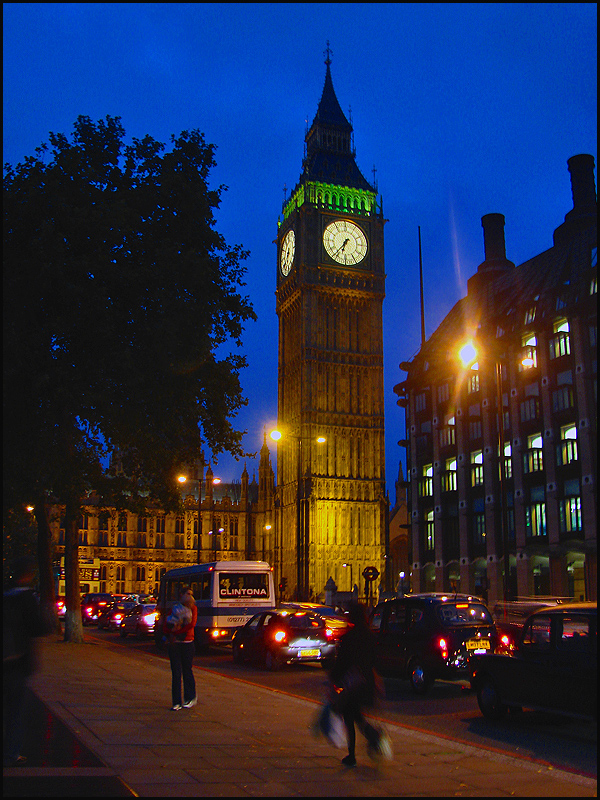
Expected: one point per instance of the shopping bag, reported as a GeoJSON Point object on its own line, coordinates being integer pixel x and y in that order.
{"type": "Point", "coordinates": [382, 750]}
{"type": "Point", "coordinates": [331, 726]}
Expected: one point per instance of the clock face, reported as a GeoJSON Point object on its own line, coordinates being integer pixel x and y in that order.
{"type": "Point", "coordinates": [288, 248]}
{"type": "Point", "coordinates": [345, 242]}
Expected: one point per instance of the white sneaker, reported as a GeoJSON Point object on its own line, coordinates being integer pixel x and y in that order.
{"type": "Point", "coordinates": [191, 703]}
{"type": "Point", "coordinates": [176, 707]}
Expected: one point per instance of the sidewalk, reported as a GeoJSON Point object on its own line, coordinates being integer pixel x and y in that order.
{"type": "Point", "coordinates": [243, 740]}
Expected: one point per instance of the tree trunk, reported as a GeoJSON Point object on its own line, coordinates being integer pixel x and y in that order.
{"type": "Point", "coordinates": [73, 624]}
{"type": "Point", "coordinates": [46, 577]}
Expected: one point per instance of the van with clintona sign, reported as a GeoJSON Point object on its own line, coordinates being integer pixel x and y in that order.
{"type": "Point", "coordinates": [227, 594]}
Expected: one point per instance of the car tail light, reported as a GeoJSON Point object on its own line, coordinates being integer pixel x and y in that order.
{"type": "Point", "coordinates": [89, 611]}
{"type": "Point", "coordinates": [118, 617]}
{"type": "Point", "coordinates": [280, 636]}
{"type": "Point", "coordinates": [443, 645]}
{"type": "Point", "coordinates": [149, 619]}
{"type": "Point", "coordinates": [328, 633]}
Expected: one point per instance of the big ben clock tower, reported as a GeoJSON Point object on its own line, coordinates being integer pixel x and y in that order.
{"type": "Point", "coordinates": [330, 290]}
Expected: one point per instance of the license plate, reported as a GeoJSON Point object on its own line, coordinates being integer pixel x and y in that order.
{"type": "Point", "coordinates": [309, 653]}
{"type": "Point", "coordinates": [478, 644]}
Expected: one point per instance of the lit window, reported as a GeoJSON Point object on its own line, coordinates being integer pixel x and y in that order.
{"type": "Point", "coordinates": [533, 459]}
{"type": "Point", "coordinates": [529, 352]}
{"type": "Point", "coordinates": [430, 531]}
{"type": "Point", "coordinates": [535, 519]}
{"type": "Point", "coordinates": [529, 315]}
{"type": "Point", "coordinates": [476, 468]}
{"type": "Point", "coordinates": [566, 451]}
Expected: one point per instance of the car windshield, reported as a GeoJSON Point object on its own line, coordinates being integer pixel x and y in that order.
{"type": "Point", "coordinates": [464, 614]}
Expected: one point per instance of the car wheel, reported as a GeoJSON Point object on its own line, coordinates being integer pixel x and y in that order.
{"type": "Point", "coordinates": [420, 680]}
{"type": "Point", "coordinates": [272, 663]}
{"type": "Point", "coordinates": [140, 634]}
{"type": "Point", "coordinates": [489, 700]}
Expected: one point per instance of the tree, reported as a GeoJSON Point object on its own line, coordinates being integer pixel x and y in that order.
{"type": "Point", "coordinates": [121, 302]}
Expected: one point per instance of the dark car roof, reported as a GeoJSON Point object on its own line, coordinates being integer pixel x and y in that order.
{"type": "Point", "coordinates": [567, 608]}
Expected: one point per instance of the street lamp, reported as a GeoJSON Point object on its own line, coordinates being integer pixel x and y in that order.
{"type": "Point", "coordinates": [468, 355]}
{"type": "Point", "coordinates": [301, 520]}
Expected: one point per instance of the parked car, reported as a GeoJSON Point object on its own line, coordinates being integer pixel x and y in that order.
{"type": "Point", "coordinates": [284, 636]}
{"type": "Point", "coordinates": [510, 617]}
{"type": "Point", "coordinates": [423, 637]}
{"type": "Point", "coordinates": [553, 667]}
{"type": "Point", "coordinates": [112, 616]}
{"type": "Point", "coordinates": [93, 604]}
{"type": "Point", "coordinates": [140, 620]}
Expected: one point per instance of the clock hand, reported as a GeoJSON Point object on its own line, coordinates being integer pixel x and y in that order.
{"type": "Point", "coordinates": [342, 247]}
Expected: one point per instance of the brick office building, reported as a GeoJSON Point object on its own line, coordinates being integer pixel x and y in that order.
{"type": "Point", "coordinates": [534, 329]}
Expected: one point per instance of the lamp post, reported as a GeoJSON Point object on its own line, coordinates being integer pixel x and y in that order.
{"type": "Point", "coordinates": [301, 518]}
{"type": "Point", "coordinates": [468, 355]}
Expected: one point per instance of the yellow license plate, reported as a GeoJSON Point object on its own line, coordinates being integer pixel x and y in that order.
{"type": "Point", "coordinates": [478, 644]}
{"type": "Point", "coordinates": [309, 653]}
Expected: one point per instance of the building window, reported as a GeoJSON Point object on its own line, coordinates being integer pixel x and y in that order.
{"type": "Point", "coordinates": [160, 540]}
{"type": "Point", "coordinates": [560, 343]}
{"type": "Point", "coordinates": [120, 580]}
{"type": "Point", "coordinates": [121, 539]}
{"type": "Point", "coordinates": [421, 402]}
{"type": "Point", "coordinates": [179, 526]}
{"type": "Point", "coordinates": [529, 351]}
{"type": "Point", "coordinates": [448, 433]}
{"type": "Point", "coordinates": [141, 540]}
{"type": "Point", "coordinates": [507, 460]}
{"type": "Point", "coordinates": [449, 476]}
{"type": "Point", "coordinates": [103, 521]}
{"type": "Point", "coordinates": [533, 460]}
{"type": "Point", "coordinates": [562, 398]}
{"type": "Point", "coordinates": [476, 468]}
{"type": "Point", "coordinates": [535, 519]}
{"type": "Point", "coordinates": [179, 541]}
{"type": "Point", "coordinates": [529, 315]}
{"type": "Point", "coordinates": [530, 409]}
{"type": "Point", "coordinates": [140, 574]}
{"type": "Point", "coordinates": [569, 511]}
{"type": "Point", "coordinates": [122, 524]}
{"type": "Point", "coordinates": [478, 527]}
{"type": "Point", "coordinates": [142, 524]}
{"type": "Point", "coordinates": [430, 531]}
{"type": "Point", "coordinates": [443, 393]}
{"type": "Point", "coordinates": [103, 538]}
{"type": "Point", "coordinates": [473, 383]}
{"type": "Point", "coordinates": [475, 429]}
{"type": "Point", "coordinates": [566, 451]}
{"type": "Point", "coordinates": [233, 534]}
{"type": "Point", "coordinates": [426, 483]}
{"type": "Point", "coordinates": [160, 524]}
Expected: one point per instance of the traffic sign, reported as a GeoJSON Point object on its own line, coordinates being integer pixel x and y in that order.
{"type": "Point", "coordinates": [370, 573]}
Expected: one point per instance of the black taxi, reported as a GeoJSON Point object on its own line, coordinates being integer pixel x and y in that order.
{"type": "Point", "coordinates": [423, 637]}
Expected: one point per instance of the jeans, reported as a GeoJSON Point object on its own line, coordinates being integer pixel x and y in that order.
{"type": "Point", "coordinates": [181, 655]}
{"type": "Point", "coordinates": [352, 713]}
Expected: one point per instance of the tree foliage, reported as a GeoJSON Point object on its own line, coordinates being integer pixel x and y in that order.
{"type": "Point", "coordinates": [121, 304]}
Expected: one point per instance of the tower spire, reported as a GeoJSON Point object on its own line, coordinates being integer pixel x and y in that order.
{"type": "Point", "coordinates": [327, 52]}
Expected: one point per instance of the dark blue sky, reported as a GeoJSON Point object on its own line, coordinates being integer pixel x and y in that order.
{"type": "Point", "coordinates": [464, 109]}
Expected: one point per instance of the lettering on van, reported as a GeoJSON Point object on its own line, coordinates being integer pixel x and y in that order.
{"type": "Point", "coordinates": [243, 592]}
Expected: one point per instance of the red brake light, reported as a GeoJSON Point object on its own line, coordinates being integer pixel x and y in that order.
{"type": "Point", "coordinates": [462, 605]}
{"type": "Point", "coordinates": [280, 636]}
{"type": "Point", "coordinates": [328, 632]}
{"type": "Point", "coordinates": [443, 647]}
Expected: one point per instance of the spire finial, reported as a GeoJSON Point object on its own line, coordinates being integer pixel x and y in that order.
{"type": "Point", "coordinates": [328, 52]}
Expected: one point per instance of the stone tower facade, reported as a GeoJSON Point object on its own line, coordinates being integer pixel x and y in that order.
{"type": "Point", "coordinates": [330, 502]}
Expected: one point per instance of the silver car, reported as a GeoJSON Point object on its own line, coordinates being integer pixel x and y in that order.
{"type": "Point", "coordinates": [139, 621]}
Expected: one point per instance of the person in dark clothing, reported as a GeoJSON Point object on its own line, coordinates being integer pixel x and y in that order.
{"type": "Point", "coordinates": [22, 622]}
{"type": "Point", "coordinates": [353, 681]}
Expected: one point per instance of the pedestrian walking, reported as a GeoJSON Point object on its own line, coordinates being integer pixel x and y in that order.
{"type": "Point", "coordinates": [22, 623]}
{"type": "Point", "coordinates": [179, 630]}
{"type": "Point", "coordinates": [353, 682]}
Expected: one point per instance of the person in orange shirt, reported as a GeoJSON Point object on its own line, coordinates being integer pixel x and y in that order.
{"type": "Point", "coordinates": [180, 636]}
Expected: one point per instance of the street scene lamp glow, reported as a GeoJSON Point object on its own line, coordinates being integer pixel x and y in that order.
{"type": "Point", "coordinates": [468, 354]}
{"type": "Point", "coordinates": [182, 479]}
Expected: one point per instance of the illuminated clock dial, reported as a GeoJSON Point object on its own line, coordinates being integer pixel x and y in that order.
{"type": "Point", "coordinates": [288, 248]}
{"type": "Point", "coordinates": [345, 242]}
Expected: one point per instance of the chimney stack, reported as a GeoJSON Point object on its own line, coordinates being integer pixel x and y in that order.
{"type": "Point", "coordinates": [494, 246]}
{"type": "Point", "coordinates": [583, 188]}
